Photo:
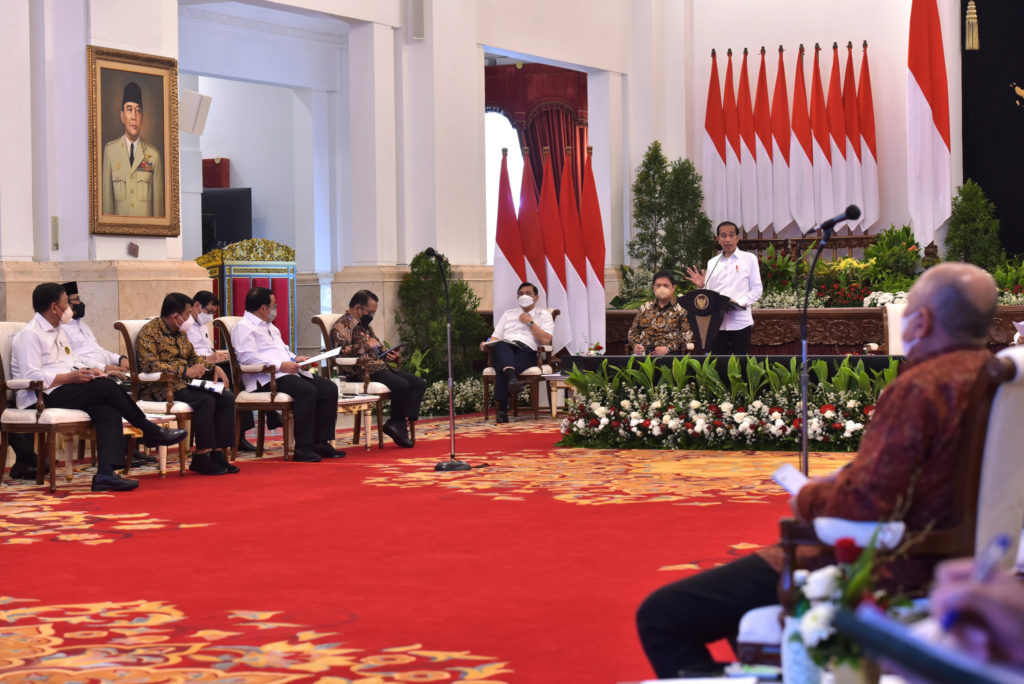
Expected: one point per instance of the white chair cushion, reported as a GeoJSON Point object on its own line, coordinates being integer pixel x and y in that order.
{"type": "Point", "coordinates": [349, 387]}
{"type": "Point", "coordinates": [831, 530]}
{"type": "Point", "coordinates": [489, 371]}
{"type": "Point", "coordinates": [761, 626]}
{"type": "Point", "coordinates": [532, 370]}
{"type": "Point", "coordinates": [178, 407]}
{"type": "Point", "coordinates": [50, 416]}
{"type": "Point", "coordinates": [261, 398]}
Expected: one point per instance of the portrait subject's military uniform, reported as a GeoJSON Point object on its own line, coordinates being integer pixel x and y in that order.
{"type": "Point", "coordinates": [132, 189]}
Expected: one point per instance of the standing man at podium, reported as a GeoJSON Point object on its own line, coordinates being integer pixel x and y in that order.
{"type": "Point", "coordinates": [737, 275]}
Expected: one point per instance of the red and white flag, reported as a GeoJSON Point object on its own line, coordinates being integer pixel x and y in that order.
{"type": "Point", "coordinates": [929, 176]}
{"type": "Point", "coordinates": [837, 136]}
{"type": "Point", "coordinates": [713, 158]}
{"type": "Point", "coordinates": [509, 260]}
{"type": "Point", "coordinates": [531, 233]}
{"type": "Point", "coordinates": [733, 185]}
{"type": "Point", "coordinates": [593, 239]}
{"type": "Point", "coordinates": [575, 259]}
{"type": "Point", "coordinates": [748, 150]}
{"type": "Point", "coordinates": [868, 156]}
{"type": "Point", "coordinates": [854, 180]}
{"type": "Point", "coordinates": [781, 138]}
{"type": "Point", "coordinates": [554, 255]}
{"type": "Point", "coordinates": [763, 131]}
{"type": "Point", "coordinates": [824, 197]}
{"type": "Point", "coordinates": [801, 154]}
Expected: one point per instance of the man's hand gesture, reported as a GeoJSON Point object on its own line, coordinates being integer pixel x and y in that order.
{"type": "Point", "coordinates": [695, 276]}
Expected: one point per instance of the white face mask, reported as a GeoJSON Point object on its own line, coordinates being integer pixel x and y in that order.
{"type": "Point", "coordinates": [273, 314]}
{"type": "Point", "coordinates": [205, 318]}
{"type": "Point", "coordinates": [525, 301]}
{"type": "Point", "coordinates": [908, 344]}
{"type": "Point", "coordinates": [186, 323]}
{"type": "Point", "coordinates": [67, 315]}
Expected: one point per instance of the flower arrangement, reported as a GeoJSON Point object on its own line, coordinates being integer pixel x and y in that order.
{"type": "Point", "coordinates": [789, 299]}
{"type": "Point", "coordinates": [885, 298]}
{"type": "Point", "coordinates": [595, 349]}
{"type": "Point", "coordinates": [837, 294]}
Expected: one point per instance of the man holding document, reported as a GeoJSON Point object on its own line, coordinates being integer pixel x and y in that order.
{"type": "Point", "coordinates": [315, 399]}
{"type": "Point", "coordinates": [906, 460]}
{"type": "Point", "coordinates": [515, 339]}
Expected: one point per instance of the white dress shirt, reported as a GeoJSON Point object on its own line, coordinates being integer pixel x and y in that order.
{"type": "Point", "coordinates": [739, 278]}
{"type": "Point", "coordinates": [41, 351]}
{"type": "Point", "coordinates": [85, 345]}
{"type": "Point", "coordinates": [199, 336]}
{"type": "Point", "coordinates": [511, 329]}
{"type": "Point", "coordinates": [257, 341]}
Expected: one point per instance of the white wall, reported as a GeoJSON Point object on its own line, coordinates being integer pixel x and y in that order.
{"type": "Point", "coordinates": [254, 126]}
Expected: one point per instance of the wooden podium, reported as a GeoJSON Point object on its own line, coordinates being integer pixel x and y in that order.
{"type": "Point", "coordinates": [705, 310]}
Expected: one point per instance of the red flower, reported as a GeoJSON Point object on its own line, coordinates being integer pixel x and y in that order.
{"type": "Point", "coordinates": [742, 409]}
{"type": "Point", "coordinates": [912, 248]}
{"type": "Point", "coordinates": [846, 550]}
{"type": "Point", "coordinates": [716, 423]}
{"type": "Point", "coordinates": [837, 426]}
{"type": "Point", "coordinates": [616, 423]}
{"type": "Point", "coordinates": [688, 425]}
{"type": "Point", "coordinates": [827, 407]}
{"type": "Point", "coordinates": [646, 424]}
{"type": "Point", "coordinates": [774, 409]}
{"type": "Point", "coordinates": [796, 423]}
{"type": "Point", "coordinates": [713, 408]}
{"type": "Point", "coordinates": [594, 422]}
{"type": "Point", "coordinates": [868, 410]}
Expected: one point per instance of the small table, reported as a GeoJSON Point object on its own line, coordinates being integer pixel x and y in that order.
{"type": "Point", "coordinates": [356, 404]}
{"type": "Point", "coordinates": [557, 381]}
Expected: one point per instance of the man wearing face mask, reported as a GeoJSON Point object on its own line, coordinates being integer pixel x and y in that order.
{"type": "Point", "coordinates": [660, 326]}
{"type": "Point", "coordinates": [162, 346]}
{"type": "Point", "coordinates": [84, 342]}
{"type": "Point", "coordinates": [515, 339]}
{"type": "Point", "coordinates": [907, 457]}
{"type": "Point", "coordinates": [315, 399]}
{"type": "Point", "coordinates": [41, 351]}
{"type": "Point", "coordinates": [354, 334]}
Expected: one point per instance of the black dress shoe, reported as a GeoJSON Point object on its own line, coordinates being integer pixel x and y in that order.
{"type": "Point", "coordinates": [22, 471]}
{"type": "Point", "coordinates": [205, 465]}
{"type": "Point", "coordinates": [274, 420]}
{"type": "Point", "coordinates": [502, 416]}
{"type": "Point", "coordinates": [221, 459]}
{"type": "Point", "coordinates": [138, 457]}
{"type": "Point", "coordinates": [514, 387]}
{"type": "Point", "coordinates": [398, 434]}
{"type": "Point", "coordinates": [165, 436]}
{"type": "Point", "coordinates": [306, 455]}
{"type": "Point", "coordinates": [112, 483]}
{"type": "Point", "coordinates": [325, 450]}
{"type": "Point", "coordinates": [247, 446]}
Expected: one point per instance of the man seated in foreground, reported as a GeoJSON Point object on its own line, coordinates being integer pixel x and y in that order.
{"type": "Point", "coordinates": [315, 399]}
{"type": "Point", "coordinates": [40, 351]}
{"type": "Point", "coordinates": [908, 454]}
{"type": "Point", "coordinates": [660, 326]}
{"type": "Point", "coordinates": [163, 347]}
{"type": "Point", "coordinates": [515, 339]}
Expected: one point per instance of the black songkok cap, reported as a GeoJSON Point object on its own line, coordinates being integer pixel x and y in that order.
{"type": "Point", "coordinates": [132, 93]}
{"type": "Point", "coordinates": [71, 288]}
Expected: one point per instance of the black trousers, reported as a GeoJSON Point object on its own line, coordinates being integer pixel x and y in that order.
{"type": "Point", "coordinates": [314, 406]}
{"type": "Point", "coordinates": [106, 403]}
{"type": "Point", "coordinates": [213, 417]}
{"type": "Point", "coordinates": [406, 392]}
{"type": "Point", "coordinates": [735, 342]}
{"type": "Point", "coordinates": [507, 355]}
{"type": "Point", "coordinates": [676, 621]}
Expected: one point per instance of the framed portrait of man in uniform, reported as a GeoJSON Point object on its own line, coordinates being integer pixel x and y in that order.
{"type": "Point", "coordinates": [133, 144]}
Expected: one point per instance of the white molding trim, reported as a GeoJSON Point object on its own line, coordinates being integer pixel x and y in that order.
{"type": "Point", "coordinates": [246, 23]}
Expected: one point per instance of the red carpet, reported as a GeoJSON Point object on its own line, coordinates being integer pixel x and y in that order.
{"type": "Point", "coordinates": [375, 568]}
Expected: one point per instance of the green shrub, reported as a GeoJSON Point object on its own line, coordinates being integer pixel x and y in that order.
{"type": "Point", "coordinates": [895, 258]}
{"type": "Point", "coordinates": [973, 235]}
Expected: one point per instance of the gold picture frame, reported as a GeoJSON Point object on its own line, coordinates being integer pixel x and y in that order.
{"type": "Point", "coordinates": [133, 183]}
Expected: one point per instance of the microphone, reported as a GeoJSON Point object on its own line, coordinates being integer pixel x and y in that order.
{"type": "Point", "coordinates": [852, 213]}
{"type": "Point", "coordinates": [434, 254]}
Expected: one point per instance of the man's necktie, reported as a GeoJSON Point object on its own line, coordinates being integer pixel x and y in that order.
{"type": "Point", "coordinates": [131, 154]}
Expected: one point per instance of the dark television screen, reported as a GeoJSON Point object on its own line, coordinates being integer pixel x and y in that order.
{"type": "Point", "coordinates": [227, 216]}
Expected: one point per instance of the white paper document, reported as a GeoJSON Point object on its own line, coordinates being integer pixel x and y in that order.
{"type": "Point", "coordinates": [320, 357]}
{"type": "Point", "coordinates": [789, 478]}
{"type": "Point", "coordinates": [1019, 327]}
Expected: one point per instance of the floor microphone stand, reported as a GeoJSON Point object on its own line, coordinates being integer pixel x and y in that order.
{"type": "Point", "coordinates": [452, 463]}
{"type": "Point", "coordinates": [804, 393]}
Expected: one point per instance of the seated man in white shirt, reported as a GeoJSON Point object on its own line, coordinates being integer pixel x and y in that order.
{"type": "Point", "coordinates": [204, 309]}
{"type": "Point", "coordinates": [737, 275]}
{"type": "Point", "coordinates": [518, 333]}
{"type": "Point", "coordinates": [83, 340]}
{"type": "Point", "coordinates": [315, 399]}
{"type": "Point", "coordinates": [41, 351]}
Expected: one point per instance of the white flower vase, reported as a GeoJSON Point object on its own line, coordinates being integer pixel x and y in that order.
{"type": "Point", "coordinates": [797, 666]}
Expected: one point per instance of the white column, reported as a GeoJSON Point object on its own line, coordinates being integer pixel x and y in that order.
{"type": "Point", "coordinates": [605, 104]}
{"type": "Point", "coordinates": [16, 122]}
{"type": "Point", "coordinates": [304, 173]}
{"type": "Point", "coordinates": [191, 160]}
{"type": "Point", "coordinates": [320, 231]}
{"type": "Point", "coordinates": [372, 144]}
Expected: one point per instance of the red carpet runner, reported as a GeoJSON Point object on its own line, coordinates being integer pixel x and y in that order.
{"type": "Point", "coordinates": [374, 568]}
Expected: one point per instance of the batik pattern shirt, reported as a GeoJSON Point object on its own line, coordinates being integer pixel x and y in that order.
{"type": "Point", "coordinates": [158, 349]}
{"type": "Point", "coordinates": [660, 326]}
{"type": "Point", "coordinates": [352, 337]}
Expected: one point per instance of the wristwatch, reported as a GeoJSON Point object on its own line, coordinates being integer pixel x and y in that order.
{"type": "Point", "coordinates": [530, 324]}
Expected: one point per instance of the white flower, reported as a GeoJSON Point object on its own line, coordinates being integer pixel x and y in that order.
{"type": "Point", "coordinates": [656, 430]}
{"type": "Point", "coordinates": [852, 404]}
{"type": "Point", "coordinates": [757, 405]}
{"type": "Point", "coordinates": [851, 427]}
{"type": "Point", "coordinates": [740, 417]}
{"type": "Point", "coordinates": [604, 421]}
{"type": "Point", "coordinates": [580, 424]}
{"type": "Point", "coordinates": [816, 624]}
{"type": "Point", "coordinates": [822, 583]}
{"type": "Point", "coordinates": [673, 424]}
{"type": "Point", "coordinates": [625, 404]}
{"type": "Point", "coordinates": [775, 415]}
{"type": "Point", "coordinates": [829, 414]}
{"type": "Point", "coordinates": [725, 406]}
{"type": "Point", "coordinates": [655, 406]}
{"type": "Point", "coordinates": [694, 404]}
{"type": "Point", "coordinates": [635, 415]}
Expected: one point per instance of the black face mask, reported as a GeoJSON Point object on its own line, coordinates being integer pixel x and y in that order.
{"type": "Point", "coordinates": [79, 310]}
{"type": "Point", "coordinates": [366, 320]}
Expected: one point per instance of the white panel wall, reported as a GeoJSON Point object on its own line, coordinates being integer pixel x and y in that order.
{"type": "Point", "coordinates": [16, 125]}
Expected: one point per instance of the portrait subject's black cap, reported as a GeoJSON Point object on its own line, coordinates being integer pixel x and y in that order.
{"type": "Point", "coordinates": [132, 93]}
{"type": "Point", "coordinates": [71, 288]}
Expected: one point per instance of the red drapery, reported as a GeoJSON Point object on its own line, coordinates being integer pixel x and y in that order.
{"type": "Point", "coordinates": [548, 107]}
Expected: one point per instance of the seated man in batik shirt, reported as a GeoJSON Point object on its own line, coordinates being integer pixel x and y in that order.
{"type": "Point", "coordinates": [660, 326]}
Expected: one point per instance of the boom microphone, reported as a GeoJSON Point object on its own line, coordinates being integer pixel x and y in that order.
{"type": "Point", "coordinates": [434, 254]}
{"type": "Point", "coordinates": [852, 213]}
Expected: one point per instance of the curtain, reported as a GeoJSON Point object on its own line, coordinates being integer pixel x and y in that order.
{"type": "Point", "coordinates": [556, 128]}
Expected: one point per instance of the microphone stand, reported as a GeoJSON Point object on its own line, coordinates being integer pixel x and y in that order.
{"type": "Point", "coordinates": [452, 463]}
{"type": "Point", "coordinates": [804, 393]}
